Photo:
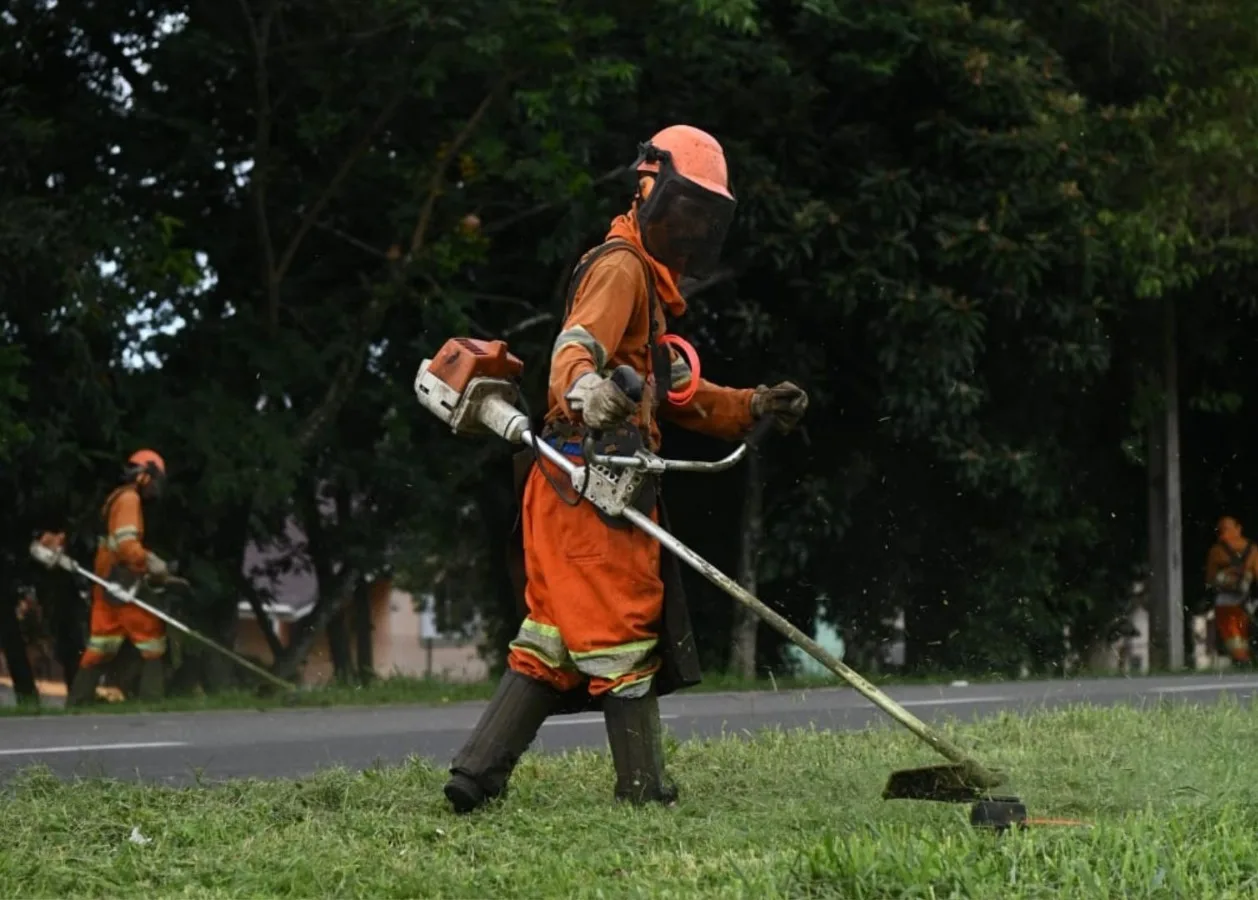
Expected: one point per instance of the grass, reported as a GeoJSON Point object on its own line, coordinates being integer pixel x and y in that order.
{"type": "Point", "coordinates": [1169, 791]}
{"type": "Point", "coordinates": [401, 689]}
{"type": "Point", "coordinates": [436, 692]}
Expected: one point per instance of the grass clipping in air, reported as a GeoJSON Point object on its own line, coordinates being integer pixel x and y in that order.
{"type": "Point", "coordinates": [1169, 791]}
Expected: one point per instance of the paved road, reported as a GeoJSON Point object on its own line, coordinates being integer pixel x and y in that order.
{"type": "Point", "coordinates": [178, 748]}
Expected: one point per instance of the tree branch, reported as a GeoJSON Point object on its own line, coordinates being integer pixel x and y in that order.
{"type": "Point", "coordinates": [352, 241]}
{"type": "Point", "coordinates": [342, 383]}
{"type": "Point", "coordinates": [729, 273]}
{"type": "Point", "coordinates": [528, 323]}
{"type": "Point", "coordinates": [259, 36]}
{"type": "Point", "coordinates": [540, 208]}
{"type": "Point", "coordinates": [313, 213]}
{"type": "Point", "coordinates": [346, 373]}
{"type": "Point", "coordinates": [420, 234]}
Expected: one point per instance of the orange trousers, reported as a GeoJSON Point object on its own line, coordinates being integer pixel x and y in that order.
{"type": "Point", "coordinates": [1232, 625]}
{"type": "Point", "coordinates": [594, 595]}
{"type": "Point", "coordinates": [113, 623]}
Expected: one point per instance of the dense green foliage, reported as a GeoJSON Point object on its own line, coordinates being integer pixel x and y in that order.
{"type": "Point", "coordinates": [231, 231]}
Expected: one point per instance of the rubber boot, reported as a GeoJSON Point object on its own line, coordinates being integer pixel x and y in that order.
{"type": "Point", "coordinates": [83, 688]}
{"type": "Point", "coordinates": [508, 726]}
{"type": "Point", "coordinates": [636, 736]}
{"type": "Point", "coordinates": [152, 681]}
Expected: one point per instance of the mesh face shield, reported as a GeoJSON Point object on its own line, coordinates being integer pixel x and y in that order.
{"type": "Point", "coordinates": [683, 224]}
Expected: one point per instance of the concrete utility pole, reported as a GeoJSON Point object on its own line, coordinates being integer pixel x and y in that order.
{"type": "Point", "coordinates": [1166, 537]}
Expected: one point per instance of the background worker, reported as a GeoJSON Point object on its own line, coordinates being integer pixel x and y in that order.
{"type": "Point", "coordinates": [122, 558]}
{"type": "Point", "coordinates": [1231, 567]}
{"type": "Point", "coordinates": [600, 619]}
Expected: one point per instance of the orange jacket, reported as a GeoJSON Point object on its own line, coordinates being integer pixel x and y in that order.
{"type": "Point", "coordinates": [608, 326]}
{"type": "Point", "coordinates": [123, 541]}
{"type": "Point", "coordinates": [1222, 558]}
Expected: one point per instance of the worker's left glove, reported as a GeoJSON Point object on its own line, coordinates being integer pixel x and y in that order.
{"type": "Point", "coordinates": [785, 402]}
{"type": "Point", "coordinates": [156, 568]}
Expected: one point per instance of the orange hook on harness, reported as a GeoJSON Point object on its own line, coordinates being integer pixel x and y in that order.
{"type": "Point", "coordinates": [684, 347]}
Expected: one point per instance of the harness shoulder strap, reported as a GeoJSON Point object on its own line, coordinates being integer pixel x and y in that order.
{"type": "Point", "coordinates": [653, 303]}
{"type": "Point", "coordinates": [583, 266]}
{"type": "Point", "coordinates": [108, 505]}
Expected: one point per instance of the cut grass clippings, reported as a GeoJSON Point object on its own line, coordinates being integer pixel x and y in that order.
{"type": "Point", "coordinates": [1169, 791]}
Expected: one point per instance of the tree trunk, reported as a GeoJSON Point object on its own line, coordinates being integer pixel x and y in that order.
{"type": "Point", "coordinates": [14, 646]}
{"type": "Point", "coordinates": [363, 631]}
{"type": "Point", "coordinates": [338, 647]}
{"type": "Point", "coordinates": [742, 654]}
{"type": "Point", "coordinates": [1166, 600]}
{"type": "Point", "coordinates": [308, 630]}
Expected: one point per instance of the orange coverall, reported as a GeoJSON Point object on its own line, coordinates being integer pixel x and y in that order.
{"type": "Point", "coordinates": [113, 622]}
{"type": "Point", "coordinates": [1231, 618]}
{"type": "Point", "coordinates": [594, 593]}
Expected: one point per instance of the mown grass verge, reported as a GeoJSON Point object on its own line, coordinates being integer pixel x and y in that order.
{"type": "Point", "coordinates": [400, 689]}
{"type": "Point", "coordinates": [1169, 792]}
{"type": "Point", "coordinates": [436, 692]}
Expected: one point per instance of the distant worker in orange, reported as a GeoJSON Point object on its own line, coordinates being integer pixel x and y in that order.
{"type": "Point", "coordinates": [122, 558]}
{"type": "Point", "coordinates": [1231, 568]}
{"type": "Point", "coordinates": [604, 620]}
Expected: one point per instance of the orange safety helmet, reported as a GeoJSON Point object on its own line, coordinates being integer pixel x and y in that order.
{"type": "Point", "coordinates": [147, 470]}
{"type": "Point", "coordinates": [697, 157]}
{"type": "Point", "coordinates": [686, 216]}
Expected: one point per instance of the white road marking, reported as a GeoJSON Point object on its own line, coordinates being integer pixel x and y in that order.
{"type": "Point", "coordinates": [1220, 686]}
{"type": "Point", "coordinates": [955, 701]}
{"type": "Point", "coordinates": [589, 720]}
{"type": "Point", "coordinates": [84, 748]}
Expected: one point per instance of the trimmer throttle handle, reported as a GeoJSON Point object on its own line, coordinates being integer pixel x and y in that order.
{"type": "Point", "coordinates": [629, 381]}
{"type": "Point", "coordinates": [759, 431]}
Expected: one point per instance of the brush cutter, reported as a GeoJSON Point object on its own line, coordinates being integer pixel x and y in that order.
{"type": "Point", "coordinates": [470, 386]}
{"type": "Point", "coordinates": [52, 558]}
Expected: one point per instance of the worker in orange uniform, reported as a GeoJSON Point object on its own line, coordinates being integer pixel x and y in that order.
{"type": "Point", "coordinates": [122, 558]}
{"type": "Point", "coordinates": [606, 619]}
{"type": "Point", "coordinates": [1231, 567]}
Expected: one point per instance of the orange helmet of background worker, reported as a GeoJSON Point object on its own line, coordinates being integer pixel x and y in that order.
{"type": "Point", "coordinates": [685, 214]}
{"type": "Point", "coordinates": [147, 470]}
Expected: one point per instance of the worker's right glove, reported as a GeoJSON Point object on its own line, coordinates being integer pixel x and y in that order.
{"type": "Point", "coordinates": [600, 401]}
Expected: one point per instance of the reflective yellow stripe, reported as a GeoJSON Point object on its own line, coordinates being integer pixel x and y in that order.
{"type": "Point", "coordinates": [104, 643]}
{"type": "Point", "coordinates": [582, 338]}
{"type": "Point", "coordinates": [635, 688]}
{"type": "Point", "coordinates": [157, 645]}
{"type": "Point", "coordinates": [120, 535]}
{"type": "Point", "coordinates": [543, 642]}
{"type": "Point", "coordinates": [615, 662]}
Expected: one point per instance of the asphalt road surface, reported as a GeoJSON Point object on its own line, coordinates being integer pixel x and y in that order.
{"type": "Point", "coordinates": [181, 748]}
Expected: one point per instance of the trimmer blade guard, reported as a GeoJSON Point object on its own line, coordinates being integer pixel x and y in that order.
{"type": "Point", "coordinates": [943, 784]}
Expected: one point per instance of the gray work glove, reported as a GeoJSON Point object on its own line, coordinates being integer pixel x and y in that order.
{"type": "Point", "coordinates": [601, 403]}
{"type": "Point", "coordinates": [785, 402]}
{"type": "Point", "coordinates": [155, 566]}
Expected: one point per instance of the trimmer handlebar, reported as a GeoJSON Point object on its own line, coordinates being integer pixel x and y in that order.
{"type": "Point", "coordinates": [655, 464]}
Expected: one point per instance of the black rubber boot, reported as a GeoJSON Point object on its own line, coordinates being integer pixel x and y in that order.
{"type": "Point", "coordinates": [83, 688]}
{"type": "Point", "coordinates": [152, 681]}
{"type": "Point", "coordinates": [508, 726]}
{"type": "Point", "coordinates": [636, 737]}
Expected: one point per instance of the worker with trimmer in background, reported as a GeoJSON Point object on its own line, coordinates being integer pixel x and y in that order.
{"type": "Point", "coordinates": [607, 624]}
{"type": "Point", "coordinates": [122, 558]}
{"type": "Point", "coordinates": [1231, 567]}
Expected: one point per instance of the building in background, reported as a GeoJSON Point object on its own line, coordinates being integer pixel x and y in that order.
{"type": "Point", "coordinates": [404, 640]}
